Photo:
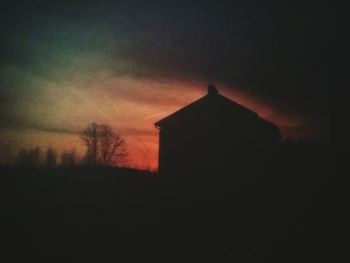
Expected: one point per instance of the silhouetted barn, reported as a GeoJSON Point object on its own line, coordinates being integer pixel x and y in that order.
{"type": "Point", "coordinates": [213, 132]}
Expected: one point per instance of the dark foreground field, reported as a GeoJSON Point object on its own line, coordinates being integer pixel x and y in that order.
{"type": "Point", "coordinates": [109, 215]}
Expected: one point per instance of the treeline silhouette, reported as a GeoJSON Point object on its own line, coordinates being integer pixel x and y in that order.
{"type": "Point", "coordinates": [272, 212]}
{"type": "Point", "coordinates": [103, 147]}
{"type": "Point", "coordinates": [35, 157]}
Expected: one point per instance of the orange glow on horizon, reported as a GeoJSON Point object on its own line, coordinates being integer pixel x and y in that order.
{"type": "Point", "coordinates": [145, 146]}
{"type": "Point", "coordinates": [131, 106]}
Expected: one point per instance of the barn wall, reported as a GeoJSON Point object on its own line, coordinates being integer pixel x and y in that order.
{"type": "Point", "coordinates": [204, 146]}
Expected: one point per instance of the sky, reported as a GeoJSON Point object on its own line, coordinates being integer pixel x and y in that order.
{"type": "Point", "coordinates": [128, 64]}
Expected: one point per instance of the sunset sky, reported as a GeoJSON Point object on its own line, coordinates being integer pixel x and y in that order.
{"type": "Point", "coordinates": [128, 64]}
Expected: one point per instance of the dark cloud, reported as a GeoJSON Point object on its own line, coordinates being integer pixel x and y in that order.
{"type": "Point", "coordinates": [274, 50]}
{"type": "Point", "coordinates": [16, 124]}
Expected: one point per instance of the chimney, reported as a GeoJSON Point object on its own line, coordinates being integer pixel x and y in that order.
{"type": "Point", "coordinates": [212, 91]}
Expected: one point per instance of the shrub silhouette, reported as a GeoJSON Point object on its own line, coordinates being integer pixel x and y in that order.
{"type": "Point", "coordinates": [28, 157]}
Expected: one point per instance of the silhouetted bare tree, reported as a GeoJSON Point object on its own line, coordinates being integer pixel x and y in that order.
{"type": "Point", "coordinates": [103, 146]}
{"type": "Point", "coordinates": [51, 158]}
{"type": "Point", "coordinates": [69, 158]}
{"type": "Point", "coordinates": [89, 137]}
{"type": "Point", "coordinates": [7, 148]}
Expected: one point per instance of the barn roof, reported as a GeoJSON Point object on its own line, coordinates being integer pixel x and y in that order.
{"type": "Point", "coordinates": [215, 106]}
{"type": "Point", "coordinates": [213, 101]}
